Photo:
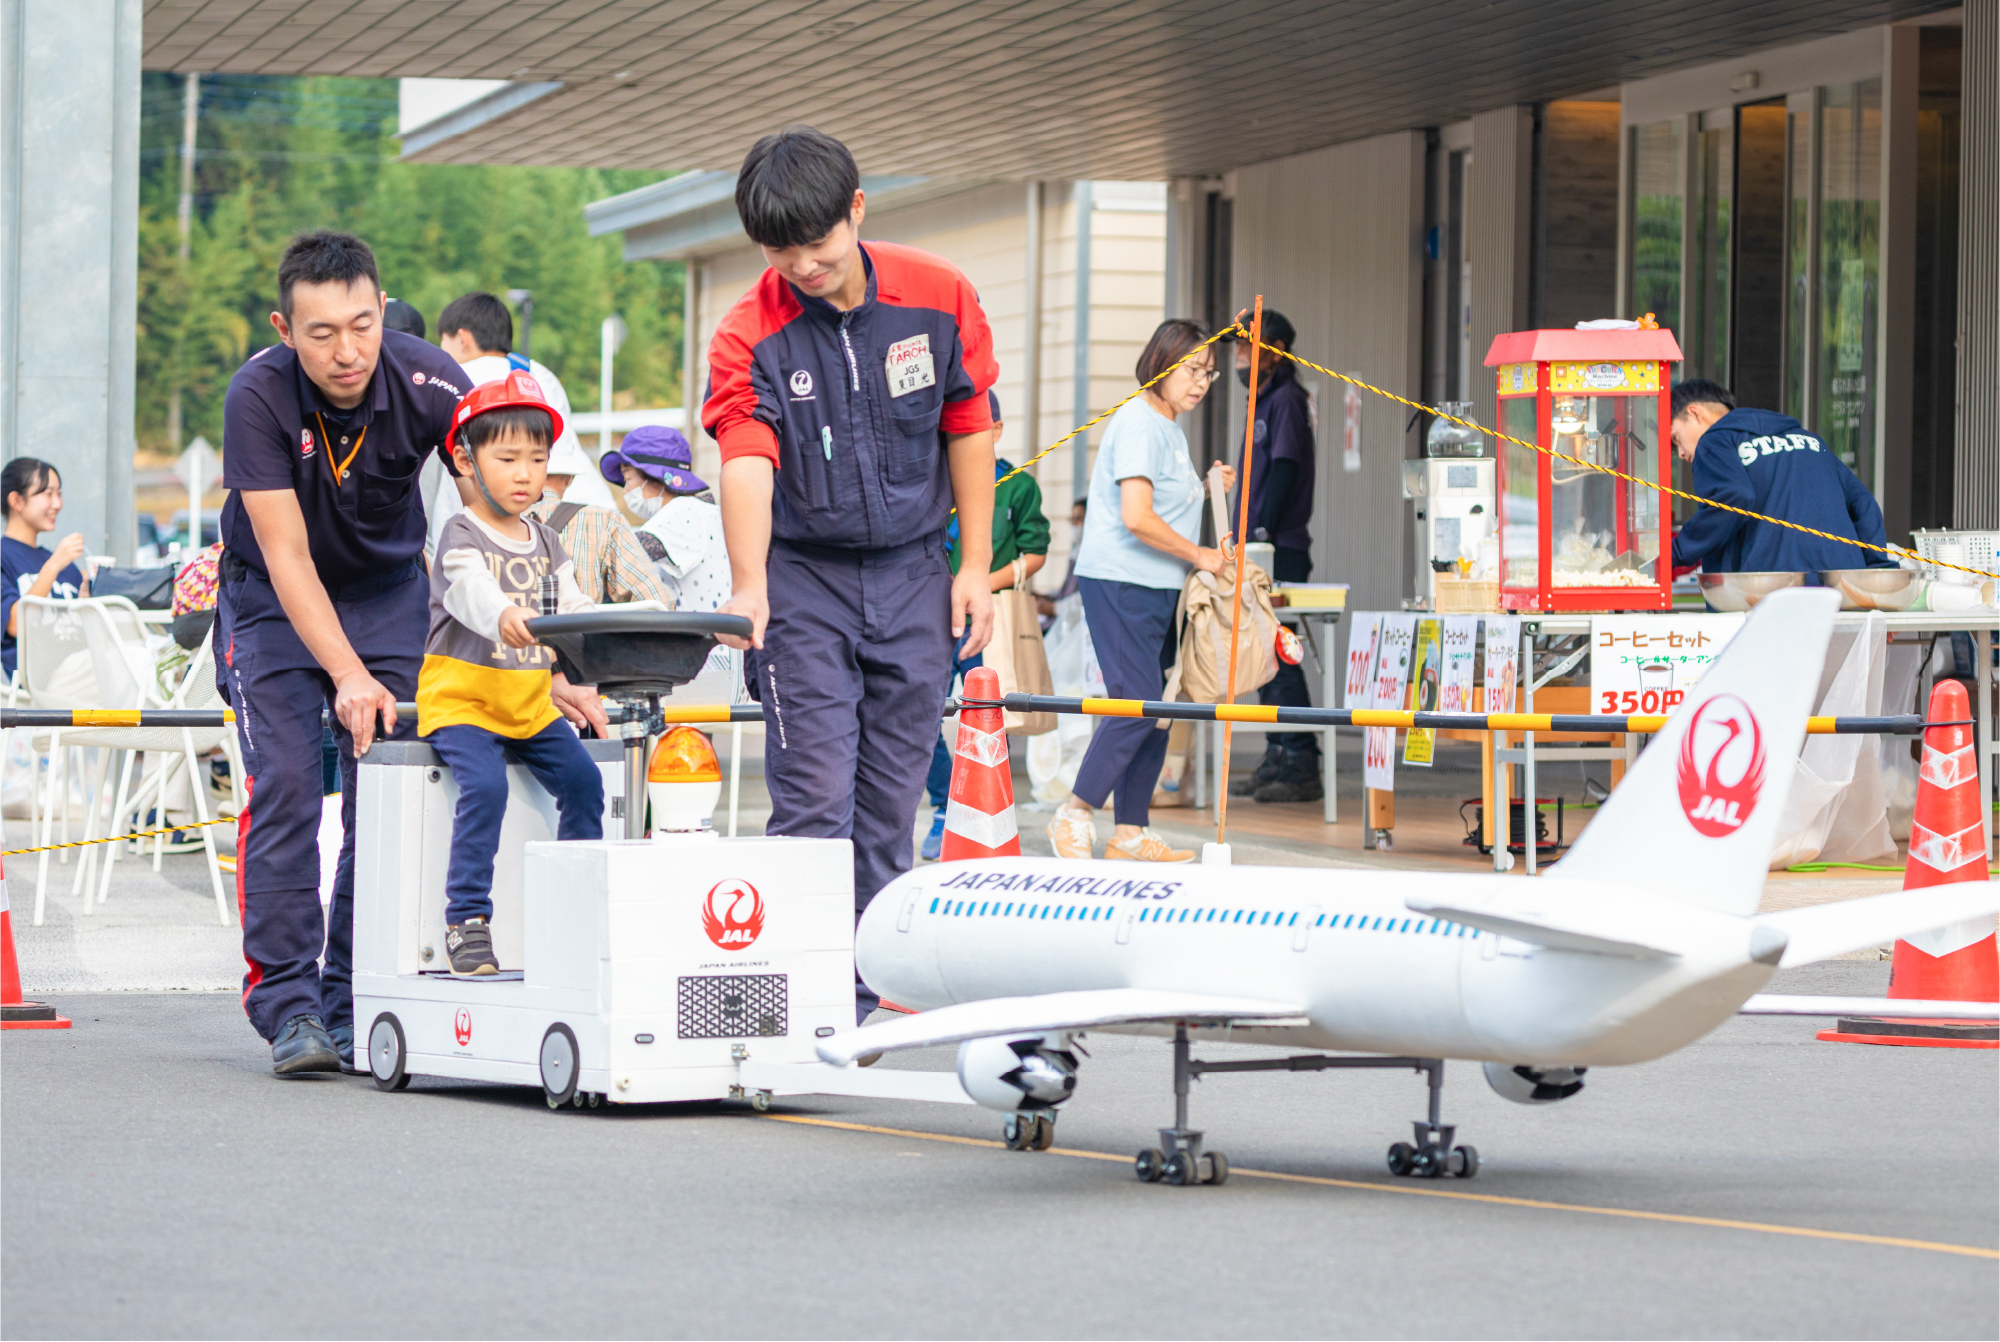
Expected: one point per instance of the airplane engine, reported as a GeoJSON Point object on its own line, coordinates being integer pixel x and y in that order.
{"type": "Point", "coordinates": [1021, 1072]}
{"type": "Point", "coordinates": [1534, 1085]}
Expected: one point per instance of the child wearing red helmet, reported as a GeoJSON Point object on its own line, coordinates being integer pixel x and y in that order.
{"type": "Point", "coordinates": [483, 693]}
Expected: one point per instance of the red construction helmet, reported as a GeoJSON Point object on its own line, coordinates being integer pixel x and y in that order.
{"type": "Point", "coordinates": [515, 389]}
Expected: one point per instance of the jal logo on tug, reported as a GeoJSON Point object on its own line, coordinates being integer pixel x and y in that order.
{"type": "Point", "coordinates": [1721, 766]}
{"type": "Point", "coordinates": [461, 1028]}
{"type": "Point", "coordinates": [733, 914]}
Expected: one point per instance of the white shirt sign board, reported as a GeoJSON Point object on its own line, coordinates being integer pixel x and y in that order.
{"type": "Point", "coordinates": [1647, 663]}
{"type": "Point", "coordinates": [1361, 637]}
{"type": "Point", "coordinates": [1455, 685]}
{"type": "Point", "coordinates": [1392, 678]}
{"type": "Point", "coordinates": [1503, 657]}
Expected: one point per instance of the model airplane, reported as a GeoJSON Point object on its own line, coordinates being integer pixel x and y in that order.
{"type": "Point", "coordinates": [1644, 938]}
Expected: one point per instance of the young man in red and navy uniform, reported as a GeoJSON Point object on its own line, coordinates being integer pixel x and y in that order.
{"type": "Point", "coordinates": [848, 393]}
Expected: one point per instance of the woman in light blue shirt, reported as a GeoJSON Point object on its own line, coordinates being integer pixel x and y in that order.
{"type": "Point", "coordinates": [1137, 547]}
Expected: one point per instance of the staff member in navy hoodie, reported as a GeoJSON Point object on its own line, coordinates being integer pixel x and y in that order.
{"type": "Point", "coordinates": [323, 603]}
{"type": "Point", "coordinates": [848, 393]}
{"type": "Point", "coordinates": [1767, 463]}
{"type": "Point", "coordinates": [1281, 507]}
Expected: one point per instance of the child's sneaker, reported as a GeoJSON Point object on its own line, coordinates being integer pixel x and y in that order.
{"type": "Point", "coordinates": [933, 847]}
{"type": "Point", "coordinates": [469, 946]}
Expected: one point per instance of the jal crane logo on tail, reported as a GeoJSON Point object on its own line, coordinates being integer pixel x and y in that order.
{"type": "Point", "coordinates": [461, 1028]}
{"type": "Point", "coordinates": [732, 914]}
{"type": "Point", "coordinates": [1721, 766]}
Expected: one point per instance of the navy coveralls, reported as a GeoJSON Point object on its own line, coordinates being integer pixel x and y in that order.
{"type": "Point", "coordinates": [365, 523]}
{"type": "Point", "coordinates": [1281, 504]}
{"type": "Point", "coordinates": [850, 406]}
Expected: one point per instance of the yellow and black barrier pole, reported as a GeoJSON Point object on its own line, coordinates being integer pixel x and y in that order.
{"type": "Point", "coordinates": [1905, 724]}
{"type": "Point", "coordinates": [1901, 724]}
{"type": "Point", "coordinates": [67, 719]}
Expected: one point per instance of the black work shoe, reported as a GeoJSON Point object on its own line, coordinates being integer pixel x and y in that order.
{"type": "Point", "coordinates": [303, 1046]}
{"type": "Point", "coordinates": [469, 945]}
{"type": "Point", "coordinates": [1297, 787]}
{"type": "Point", "coordinates": [1265, 772]}
{"type": "Point", "coordinates": [343, 1044]}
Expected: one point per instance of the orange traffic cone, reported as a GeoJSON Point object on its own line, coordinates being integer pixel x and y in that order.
{"type": "Point", "coordinates": [1959, 963]}
{"type": "Point", "coordinates": [979, 813]}
{"type": "Point", "coordinates": [16, 1014]}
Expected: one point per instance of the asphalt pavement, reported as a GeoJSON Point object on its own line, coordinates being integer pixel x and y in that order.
{"type": "Point", "coordinates": [160, 1182]}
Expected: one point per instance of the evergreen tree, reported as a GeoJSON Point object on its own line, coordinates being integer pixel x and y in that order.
{"type": "Point", "coordinates": [278, 155]}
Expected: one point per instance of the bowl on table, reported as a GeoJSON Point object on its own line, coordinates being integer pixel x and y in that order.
{"type": "Point", "coordinates": [1874, 588]}
{"type": "Point", "coordinates": [1733, 593]}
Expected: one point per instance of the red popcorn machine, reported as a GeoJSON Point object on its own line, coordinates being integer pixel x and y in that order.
{"type": "Point", "coordinates": [1572, 536]}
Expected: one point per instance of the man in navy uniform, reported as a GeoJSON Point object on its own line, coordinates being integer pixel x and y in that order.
{"type": "Point", "coordinates": [1281, 507]}
{"type": "Point", "coordinates": [849, 398]}
{"type": "Point", "coordinates": [323, 604]}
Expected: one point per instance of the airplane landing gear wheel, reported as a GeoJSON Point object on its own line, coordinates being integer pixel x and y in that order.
{"type": "Point", "coordinates": [1214, 1168]}
{"type": "Point", "coordinates": [1045, 1133]}
{"type": "Point", "coordinates": [1464, 1162]}
{"type": "Point", "coordinates": [1018, 1131]}
{"type": "Point", "coordinates": [1179, 1170]}
{"type": "Point", "coordinates": [1148, 1165]}
{"type": "Point", "coordinates": [559, 1066]}
{"type": "Point", "coordinates": [386, 1055]}
{"type": "Point", "coordinates": [1402, 1159]}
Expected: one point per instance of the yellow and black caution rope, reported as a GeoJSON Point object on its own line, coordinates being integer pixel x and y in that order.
{"type": "Point", "coordinates": [114, 838]}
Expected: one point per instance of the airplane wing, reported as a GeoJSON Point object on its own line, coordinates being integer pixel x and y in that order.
{"type": "Point", "coordinates": [1822, 931]}
{"type": "Point", "coordinates": [1893, 1008]}
{"type": "Point", "coordinates": [1050, 1012]}
{"type": "Point", "coordinates": [1572, 918]}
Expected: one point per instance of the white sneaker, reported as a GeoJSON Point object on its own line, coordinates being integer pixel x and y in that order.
{"type": "Point", "coordinates": [1072, 833]}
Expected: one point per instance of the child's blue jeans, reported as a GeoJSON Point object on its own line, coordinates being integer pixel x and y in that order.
{"type": "Point", "coordinates": [478, 760]}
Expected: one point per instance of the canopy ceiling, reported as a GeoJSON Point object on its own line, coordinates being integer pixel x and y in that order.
{"type": "Point", "coordinates": [1133, 89]}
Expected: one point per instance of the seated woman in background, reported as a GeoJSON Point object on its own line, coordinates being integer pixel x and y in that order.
{"type": "Point", "coordinates": [31, 496]}
{"type": "Point", "coordinates": [1138, 545]}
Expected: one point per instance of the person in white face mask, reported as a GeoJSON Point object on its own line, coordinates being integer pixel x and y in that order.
{"type": "Point", "coordinates": [676, 512]}
{"type": "Point", "coordinates": [612, 565]}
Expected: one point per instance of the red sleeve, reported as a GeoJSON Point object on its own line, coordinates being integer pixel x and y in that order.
{"type": "Point", "coordinates": [740, 412]}
{"type": "Point", "coordinates": [974, 414]}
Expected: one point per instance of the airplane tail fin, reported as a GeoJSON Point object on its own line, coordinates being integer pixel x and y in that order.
{"type": "Point", "coordinates": [1695, 818]}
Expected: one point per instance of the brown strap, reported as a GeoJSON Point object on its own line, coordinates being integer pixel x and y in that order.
{"type": "Point", "coordinates": [560, 515]}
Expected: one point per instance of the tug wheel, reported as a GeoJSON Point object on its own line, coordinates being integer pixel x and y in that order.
{"type": "Point", "coordinates": [1402, 1159]}
{"type": "Point", "coordinates": [1148, 1165]}
{"type": "Point", "coordinates": [559, 1066]}
{"type": "Point", "coordinates": [386, 1054]}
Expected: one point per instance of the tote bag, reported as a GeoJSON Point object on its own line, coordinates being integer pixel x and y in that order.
{"type": "Point", "coordinates": [1016, 653]}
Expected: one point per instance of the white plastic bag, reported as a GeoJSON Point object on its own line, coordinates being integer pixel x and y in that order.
{"type": "Point", "coordinates": [1838, 807]}
{"type": "Point", "coordinates": [1053, 757]}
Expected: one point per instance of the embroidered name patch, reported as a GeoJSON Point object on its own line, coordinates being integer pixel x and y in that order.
{"type": "Point", "coordinates": [909, 367]}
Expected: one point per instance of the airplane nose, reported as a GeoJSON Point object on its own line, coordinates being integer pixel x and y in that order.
{"type": "Point", "coordinates": [1767, 945]}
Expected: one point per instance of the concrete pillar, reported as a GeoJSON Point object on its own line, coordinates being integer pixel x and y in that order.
{"type": "Point", "coordinates": [1976, 473]}
{"type": "Point", "coordinates": [69, 251]}
{"type": "Point", "coordinates": [1500, 214]}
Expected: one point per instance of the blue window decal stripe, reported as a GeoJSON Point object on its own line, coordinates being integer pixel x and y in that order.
{"type": "Point", "coordinates": [934, 905]}
{"type": "Point", "coordinates": [1292, 920]}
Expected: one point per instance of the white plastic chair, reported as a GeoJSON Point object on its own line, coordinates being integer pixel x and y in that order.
{"type": "Point", "coordinates": [56, 672]}
{"type": "Point", "coordinates": [124, 663]}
